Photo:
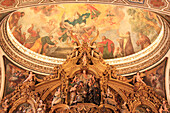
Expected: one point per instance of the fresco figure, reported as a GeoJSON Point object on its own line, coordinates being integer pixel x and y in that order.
{"type": "Point", "coordinates": [13, 21]}
{"type": "Point", "coordinates": [144, 41]}
{"type": "Point", "coordinates": [93, 11]}
{"type": "Point", "coordinates": [118, 53]}
{"type": "Point", "coordinates": [152, 80]}
{"type": "Point", "coordinates": [76, 25]}
{"type": "Point", "coordinates": [17, 32]}
{"type": "Point", "coordinates": [34, 35]}
{"type": "Point", "coordinates": [88, 33]}
{"type": "Point", "coordinates": [156, 79]}
{"type": "Point", "coordinates": [159, 81]}
{"type": "Point", "coordinates": [125, 44]}
{"type": "Point", "coordinates": [23, 38]}
{"type": "Point", "coordinates": [16, 78]}
{"type": "Point", "coordinates": [106, 47]}
{"type": "Point", "coordinates": [41, 44]}
{"type": "Point", "coordinates": [79, 20]}
{"type": "Point", "coordinates": [63, 33]}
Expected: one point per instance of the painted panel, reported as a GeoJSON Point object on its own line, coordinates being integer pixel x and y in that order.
{"type": "Point", "coordinates": [155, 78]}
{"type": "Point", "coordinates": [84, 88]}
{"type": "Point", "coordinates": [15, 76]}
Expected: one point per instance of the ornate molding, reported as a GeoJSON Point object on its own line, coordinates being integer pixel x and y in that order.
{"type": "Point", "coordinates": [161, 6]}
{"type": "Point", "coordinates": [109, 92]}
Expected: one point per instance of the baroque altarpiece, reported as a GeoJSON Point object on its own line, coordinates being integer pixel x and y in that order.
{"type": "Point", "coordinates": [84, 83]}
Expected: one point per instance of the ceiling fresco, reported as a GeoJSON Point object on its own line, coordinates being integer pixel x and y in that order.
{"type": "Point", "coordinates": [52, 30]}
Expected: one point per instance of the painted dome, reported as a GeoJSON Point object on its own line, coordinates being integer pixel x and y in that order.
{"type": "Point", "coordinates": [43, 36]}
{"type": "Point", "coordinates": [118, 31]}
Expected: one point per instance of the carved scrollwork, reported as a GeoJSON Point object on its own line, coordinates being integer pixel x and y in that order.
{"type": "Point", "coordinates": [84, 84]}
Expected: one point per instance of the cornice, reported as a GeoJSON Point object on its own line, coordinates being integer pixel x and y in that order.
{"type": "Point", "coordinates": [161, 6]}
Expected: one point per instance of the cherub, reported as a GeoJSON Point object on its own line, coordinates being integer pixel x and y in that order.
{"type": "Point", "coordinates": [30, 77]}
{"type": "Point", "coordinates": [93, 47]}
{"type": "Point", "coordinates": [84, 59]}
{"type": "Point", "coordinates": [138, 78]}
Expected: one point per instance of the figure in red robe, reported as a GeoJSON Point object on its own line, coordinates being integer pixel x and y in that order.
{"type": "Point", "coordinates": [106, 47]}
{"type": "Point", "coordinates": [13, 21]}
{"type": "Point", "coordinates": [94, 12]}
{"type": "Point", "coordinates": [34, 35]}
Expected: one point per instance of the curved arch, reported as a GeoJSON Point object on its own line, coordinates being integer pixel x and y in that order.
{"type": "Point", "coordinates": [78, 68]}
{"type": "Point", "coordinates": [108, 106]}
{"type": "Point", "coordinates": [21, 101]}
{"type": "Point", "coordinates": [144, 102]}
{"type": "Point", "coordinates": [119, 92]}
{"type": "Point", "coordinates": [59, 106]}
{"type": "Point", "coordinates": [50, 90]}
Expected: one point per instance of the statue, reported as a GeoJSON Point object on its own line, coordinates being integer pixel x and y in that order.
{"type": "Point", "coordinates": [82, 80]}
{"type": "Point", "coordinates": [110, 98]}
{"type": "Point", "coordinates": [96, 93]}
{"type": "Point", "coordinates": [57, 97]}
{"type": "Point", "coordinates": [5, 105]}
{"type": "Point", "coordinates": [73, 94]}
{"type": "Point", "coordinates": [79, 97]}
{"type": "Point", "coordinates": [93, 52]}
{"type": "Point", "coordinates": [138, 78]}
{"type": "Point", "coordinates": [41, 107]}
{"type": "Point", "coordinates": [124, 108]}
{"type": "Point", "coordinates": [137, 81]}
{"type": "Point", "coordinates": [75, 51]}
{"type": "Point", "coordinates": [30, 77]}
{"type": "Point", "coordinates": [20, 110]}
{"type": "Point", "coordinates": [163, 108]}
{"type": "Point", "coordinates": [84, 59]}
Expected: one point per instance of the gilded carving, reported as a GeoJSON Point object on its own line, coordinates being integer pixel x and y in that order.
{"type": "Point", "coordinates": [65, 91]}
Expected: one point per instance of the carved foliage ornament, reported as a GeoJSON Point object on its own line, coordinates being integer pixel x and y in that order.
{"type": "Point", "coordinates": [83, 83]}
